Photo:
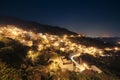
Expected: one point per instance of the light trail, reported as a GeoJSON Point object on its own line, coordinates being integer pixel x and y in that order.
{"type": "Point", "coordinates": [80, 66]}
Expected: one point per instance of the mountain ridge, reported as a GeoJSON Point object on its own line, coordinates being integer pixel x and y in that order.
{"type": "Point", "coordinates": [35, 26]}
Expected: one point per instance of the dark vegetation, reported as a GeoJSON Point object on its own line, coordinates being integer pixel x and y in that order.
{"type": "Point", "coordinates": [93, 42]}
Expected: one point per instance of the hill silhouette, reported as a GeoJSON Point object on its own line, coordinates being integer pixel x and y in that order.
{"type": "Point", "coordinates": [34, 26]}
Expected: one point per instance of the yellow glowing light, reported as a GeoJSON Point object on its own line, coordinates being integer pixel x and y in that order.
{"type": "Point", "coordinates": [40, 47]}
{"type": "Point", "coordinates": [65, 37]}
{"type": "Point", "coordinates": [108, 49]}
{"type": "Point", "coordinates": [62, 49]}
{"type": "Point", "coordinates": [71, 48]}
{"type": "Point", "coordinates": [86, 66]}
{"type": "Point", "coordinates": [79, 35]}
{"type": "Point", "coordinates": [56, 44]}
{"type": "Point", "coordinates": [32, 55]}
{"type": "Point", "coordinates": [72, 36]}
{"type": "Point", "coordinates": [1, 31]}
{"type": "Point", "coordinates": [101, 52]}
{"type": "Point", "coordinates": [29, 43]}
{"type": "Point", "coordinates": [118, 42]}
{"type": "Point", "coordinates": [83, 67]}
{"type": "Point", "coordinates": [116, 48]}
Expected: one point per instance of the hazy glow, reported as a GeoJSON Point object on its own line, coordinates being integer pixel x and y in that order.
{"type": "Point", "coordinates": [44, 41]}
{"type": "Point", "coordinates": [118, 42]}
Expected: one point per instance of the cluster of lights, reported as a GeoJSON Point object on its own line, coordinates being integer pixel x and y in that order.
{"type": "Point", "coordinates": [44, 41]}
{"type": "Point", "coordinates": [115, 49]}
{"type": "Point", "coordinates": [118, 42]}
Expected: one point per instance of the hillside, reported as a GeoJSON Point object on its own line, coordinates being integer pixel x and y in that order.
{"type": "Point", "coordinates": [34, 26]}
{"type": "Point", "coordinates": [39, 54]}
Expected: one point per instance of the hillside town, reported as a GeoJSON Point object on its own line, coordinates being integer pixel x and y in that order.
{"type": "Point", "coordinates": [42, 41]}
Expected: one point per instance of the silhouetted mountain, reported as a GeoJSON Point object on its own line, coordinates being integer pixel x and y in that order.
{"type": "Point", "coordinates": [34, 26]}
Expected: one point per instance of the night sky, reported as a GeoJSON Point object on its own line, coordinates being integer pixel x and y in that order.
{"type": "Point", "coordinates": [92, 17]}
